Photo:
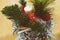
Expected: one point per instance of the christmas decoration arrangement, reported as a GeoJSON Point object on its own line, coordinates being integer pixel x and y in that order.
{"type": "Point", "coordinates": [31, 22]}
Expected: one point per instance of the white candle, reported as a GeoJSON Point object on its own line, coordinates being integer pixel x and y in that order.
{"type": "Point", "coordinates": [28, 8]}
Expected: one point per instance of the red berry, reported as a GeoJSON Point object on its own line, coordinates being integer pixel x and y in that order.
{"type": "Point", "coordinates": [46, 17]}
{"type": "Point", "coordinates": [31, 15]}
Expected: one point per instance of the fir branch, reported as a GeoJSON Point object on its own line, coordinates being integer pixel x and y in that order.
{"type": "Point", "coordinates": [35, 1]}
{"type": "Point", "coordinates": [36, 26]}
{"type": "Point", "coordinates": [41, 7]}
{"type": "Point", "coordinates": [47, 2]}
{"type": "Point", "coordinates": [14, 13]}
{"type": "Point", "coordinates": [22, 2]}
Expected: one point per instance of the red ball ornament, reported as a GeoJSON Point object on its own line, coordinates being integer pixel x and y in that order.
{"type": "Point", "coordinates": [31, 16]}
{"type": "Point", "coordinates": [46, 17]}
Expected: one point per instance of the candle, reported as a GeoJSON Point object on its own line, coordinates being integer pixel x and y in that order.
{"type": "Point", "coordinates": [28, 8]}
{"type": "Point", "coordinates": [30, 13]}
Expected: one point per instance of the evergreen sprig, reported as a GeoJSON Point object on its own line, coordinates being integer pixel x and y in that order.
{"type": "Point", "coordinates": [47, 2]}
{"type": "Point", "coordinates": [41, 7]}
{"type": "Point", "coordinates": [22, 2]}
{"type": "Point", "coordinates": [14, 13]}
{"type": "Point", "coordinates": [36, 26]}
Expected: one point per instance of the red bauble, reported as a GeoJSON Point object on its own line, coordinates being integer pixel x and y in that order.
{"type": "Point", "coordinates": [33, 17]}
{"type": "Point", "coordinates": [46, 17]}
{"type": "Point", "coordinates": [22, 8]}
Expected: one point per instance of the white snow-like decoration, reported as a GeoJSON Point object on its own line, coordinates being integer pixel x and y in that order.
{"type": "Point", "coordinates": [24, 30]}
{"type": "Point", "coordinates": [28, 8]}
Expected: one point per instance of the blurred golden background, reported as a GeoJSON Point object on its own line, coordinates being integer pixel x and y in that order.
{"type": "Point", "coordinates": [6, 29]}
